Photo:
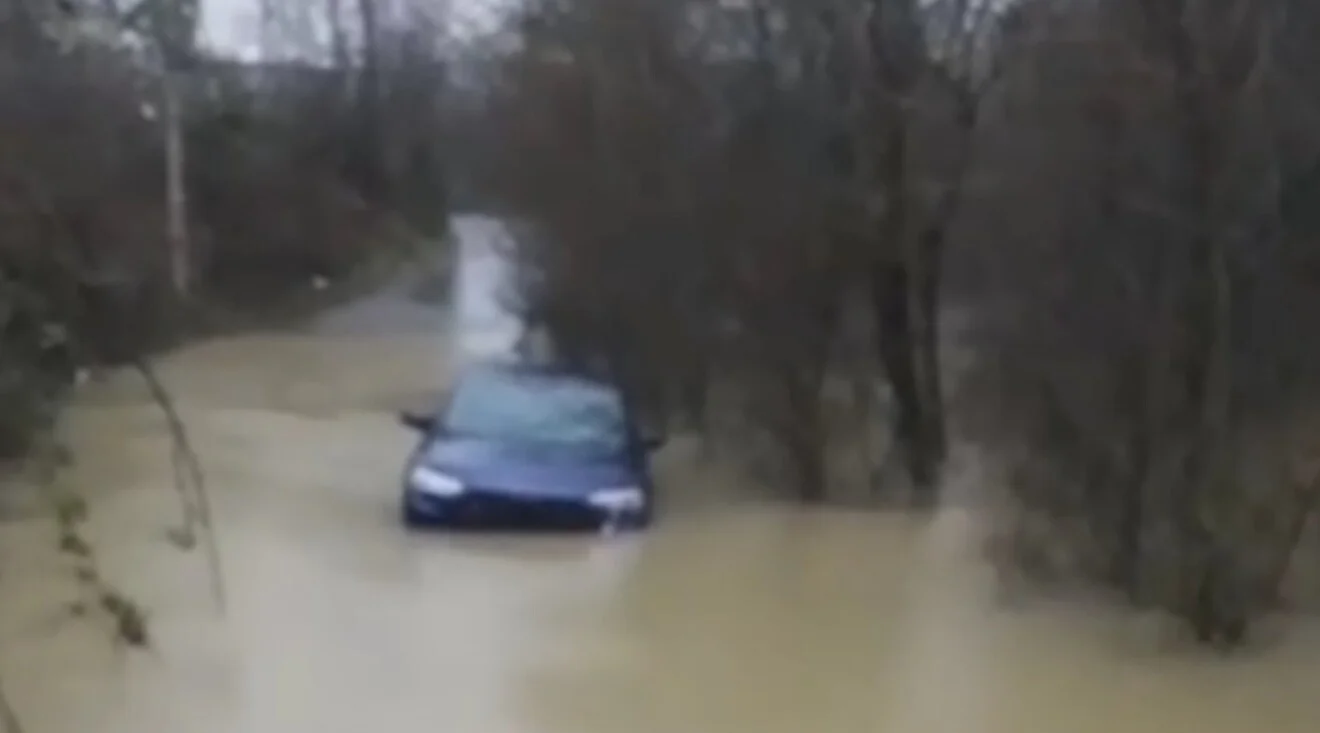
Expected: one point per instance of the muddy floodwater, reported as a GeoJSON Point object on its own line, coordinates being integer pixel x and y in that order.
{"type": "Point", "coordinates": [733, 616]}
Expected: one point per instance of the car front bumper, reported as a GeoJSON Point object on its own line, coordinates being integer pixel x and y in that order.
{"type": "Point", "coordinates": [486, 510]}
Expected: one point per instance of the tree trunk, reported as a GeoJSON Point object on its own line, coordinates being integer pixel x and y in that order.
{"type": "Point", "coordinates": [925, 289]}
{"type": "Point", "coordinates": [804, 438]}
{"type": "Point", "coordinates": [902, 325]}
{"type": "Point", "coordinates": [338, 36]}
{"type": "Point", "coordinates": [176, 193]}
{"type": "Point", "coordinates": [1214, 600]}
{"type": "Point", "coordinates": [897, 343]}
{"type": "Point", "coordinates": [370, 146]}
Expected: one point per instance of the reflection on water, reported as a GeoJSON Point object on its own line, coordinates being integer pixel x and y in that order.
{"type": "Point", "coordinates": [732, 616]}
{"type": "Point", "coordinates": [482, 289]}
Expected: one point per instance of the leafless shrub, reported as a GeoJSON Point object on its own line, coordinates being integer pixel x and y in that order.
{"type": "Point", "coordinates": [1140, 346]}
{"type": "Point", "coordinates": [708, 184]}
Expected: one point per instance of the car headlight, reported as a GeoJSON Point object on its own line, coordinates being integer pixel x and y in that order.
{"type": "Point", "coordinates": [617, 499]}
{"type": "Point", "coordinates": [433, 483]}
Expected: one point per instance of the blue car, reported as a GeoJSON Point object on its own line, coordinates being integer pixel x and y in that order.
{"type": "Point", "coordinates": [525, 447]}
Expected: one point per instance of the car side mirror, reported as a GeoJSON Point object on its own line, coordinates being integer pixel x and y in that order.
{"type": "Point", "coordinates": [420, 423]}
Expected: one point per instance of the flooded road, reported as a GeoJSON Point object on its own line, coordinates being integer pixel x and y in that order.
{"type": "Point", "coordinates": [733, 616]}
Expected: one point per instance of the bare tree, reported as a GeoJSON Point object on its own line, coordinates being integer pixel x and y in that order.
{"type": "Point", "coordinates": [1143, 361]}
{"type": "Point", "coordinates": [736, 165]}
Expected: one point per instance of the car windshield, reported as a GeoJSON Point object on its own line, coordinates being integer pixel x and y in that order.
{"type": "Point", "coordinates": [537, 410]}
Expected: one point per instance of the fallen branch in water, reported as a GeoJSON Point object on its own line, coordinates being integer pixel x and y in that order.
{"type": "Point", "coordinates": [189, 482]}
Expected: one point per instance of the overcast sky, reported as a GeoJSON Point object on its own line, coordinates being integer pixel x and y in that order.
{"type": "Point", "coordinates": [226, 25]}
{"type": "Point", "coordinates": [232, 27]}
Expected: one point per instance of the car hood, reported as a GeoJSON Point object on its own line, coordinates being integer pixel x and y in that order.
{"type": "Point", "coordinates": [523, 471]}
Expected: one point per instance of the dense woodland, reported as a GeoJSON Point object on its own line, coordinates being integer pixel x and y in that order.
{"type": "Point", "coordinates": [766, 198]}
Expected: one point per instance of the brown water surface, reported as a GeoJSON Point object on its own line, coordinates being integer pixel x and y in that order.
{"type": "Point", "coordinates": [732, 616]}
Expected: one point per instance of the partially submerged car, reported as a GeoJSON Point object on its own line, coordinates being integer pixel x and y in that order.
{"type": "Point", "coordinates": [529, 447]}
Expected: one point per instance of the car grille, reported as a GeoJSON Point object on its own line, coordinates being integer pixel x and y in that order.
{"type": "Point", "coordinates": [479, 509]}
